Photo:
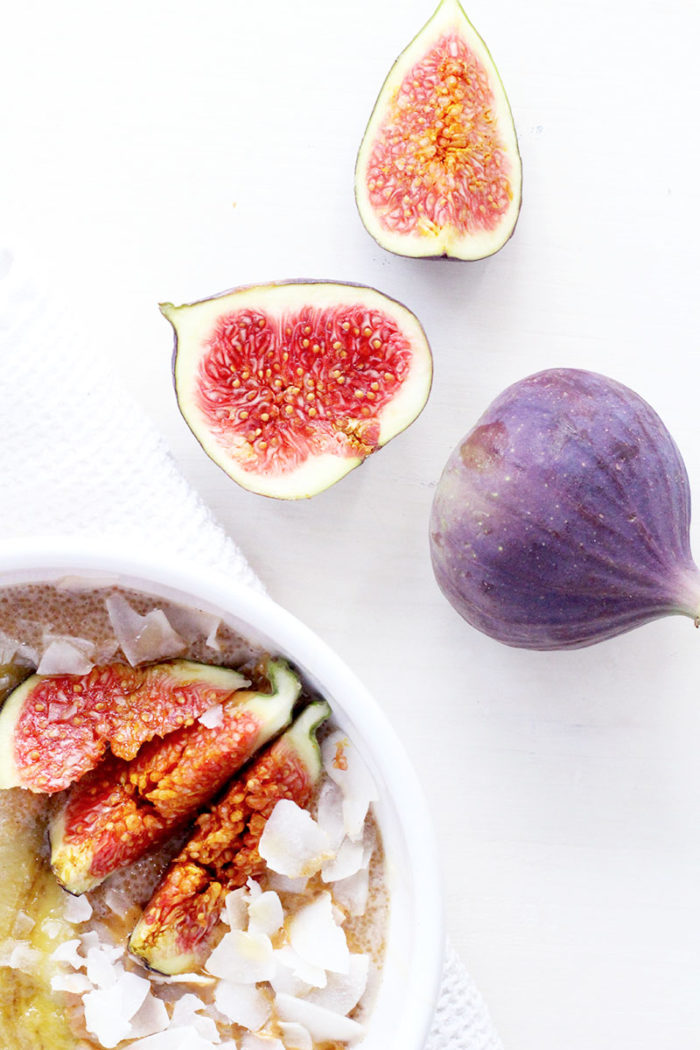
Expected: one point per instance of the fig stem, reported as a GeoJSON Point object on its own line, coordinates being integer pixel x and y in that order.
{"type": "Point", "coordinates": [687, 594]}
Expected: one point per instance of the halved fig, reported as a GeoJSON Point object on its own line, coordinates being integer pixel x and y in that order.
{"type": "Point", "coordinates": [53, 729]}
{"type": "Point", "coordinates": [117, 812]}
{"type": "Point", "coordinates": [290, 386]}
{"type": "Point", "coordinates": [175, 931]}
{"type": "Point", "coordinates": [438, 172]}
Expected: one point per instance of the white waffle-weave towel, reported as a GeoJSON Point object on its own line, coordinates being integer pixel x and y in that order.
{"type": "Point", "coordinates": [80, 458]}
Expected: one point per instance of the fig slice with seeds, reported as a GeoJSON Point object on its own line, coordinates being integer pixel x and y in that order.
{"type": "Point", "coordinates": [174, 934]}
{"type": "Point", "coordinates": [117, 812]}
{"type": "Point", "coordinates": [438, 172]}
{"type": "Point", "coordinates": [55, 728]}
{"type": "Point", "coordinates": [290, 386]}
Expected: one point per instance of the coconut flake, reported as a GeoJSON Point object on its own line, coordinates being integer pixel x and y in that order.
{"type": "Point", "coordinates": [74, 983]}
{"type": "Point", "coordinates": [323, 1025]}
{"type": "Point", "coordinates": [67, 952]}
{"type": "Point", "coordinates": [235, 913]}
{"type": "Point", "coordinates": [295, 1036]}
{"type": "Point", "coordinates": [175, 1039]}
{"type": "Point", "coordinates": [90, 939]}
{"type": "Point", "coordinates": [329, 812]}
{"type": "Point", "coordinates": [348, 860]}
{"type": "Point", "coordinates": [106, 651]}
{"type": "Point", "coordinates": [212, 717]}
{"type": "Point", "coordinates": [243, 1004]}
{"type": "Point", "coordinates": [194, 624]}
{"type": "Point", "coordinates": [293, 974]}
{"type": "Point", "coordinates": [242, 957]}
{"type": "Point", "coordinates": [261, 1042]}
{"type": "Point", "coordinates": [108, 1011]}
{"type": "Point", "coordinates": [352, 894]}
{"type": "Point", "coordinates": [186, 1014]}
{"type": "Point", "coordinates": [346, 767]}
{"type": "Point", "coordinates": [292, 843]}
{"type": "Point", "coordinates": [166, 1040]}
{"type": "Point", "coordinates": [315, 935]}
{"type": "Point", "coordinates": [343, 991]}
{"type": "Point", "coordinates": [12, 650]}
{"type": "Point", "coordinates": [8, 648]}
{"type": "Point", "coordinates": [76, 909]}
{"type": "Point", "coordinates": [194, 979]}
{"type": "Point", "coordinates": [133, 989]}
{"type": "Point", "coordinates": [150, 1018]}
{"type": "Point", "coordinates": [265, 914]}
{"type": "Point", "coordinates": [146, 638]}
{"type": "Point", "coordinates": [67, 656]}
{"type": "Point", "coordinates": [254, 888]}
{"type": "Point", "coordinates": [283, 884]}
{"type": "Point", "coordinates": [102, 967]}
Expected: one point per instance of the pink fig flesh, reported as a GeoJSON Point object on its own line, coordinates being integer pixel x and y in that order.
{"type": "Point", "coordinates": [290, 386]}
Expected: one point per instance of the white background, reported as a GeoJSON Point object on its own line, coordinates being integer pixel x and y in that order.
{"type": "Point", "coordinates": [167, 151]}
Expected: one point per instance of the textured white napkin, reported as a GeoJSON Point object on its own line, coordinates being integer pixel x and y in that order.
{"type": "Point", "coordinates": [78, 457]}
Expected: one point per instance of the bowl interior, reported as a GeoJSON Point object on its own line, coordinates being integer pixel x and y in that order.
{"type": "Point", "coordinates": [408, 990]}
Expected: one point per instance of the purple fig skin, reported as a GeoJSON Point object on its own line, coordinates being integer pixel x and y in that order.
{"type": "Point", "coordinates": [563, 517]}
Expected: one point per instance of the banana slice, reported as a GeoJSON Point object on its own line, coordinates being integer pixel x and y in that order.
{"type": "Point", "coordinates": [32, 1017]}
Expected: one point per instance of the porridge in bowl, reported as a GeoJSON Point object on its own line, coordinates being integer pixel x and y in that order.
{"type": "Point", "coordinates": [189, 850]}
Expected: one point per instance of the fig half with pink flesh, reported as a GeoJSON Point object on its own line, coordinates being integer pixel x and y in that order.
{"type": "Point", "coordinates": [55, 728]}
{"type": "Point", "coordinates": [290, 386]}
{"type": "Point", "coordinates": [120, 810]}
{"type": "Point", "coordinates": [438, 172]}
{"type": "Point", "coordinates": [175, 932]}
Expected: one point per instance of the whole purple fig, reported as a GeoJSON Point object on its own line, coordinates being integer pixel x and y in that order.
{"type": "Point", "coordinates": [563, 517]}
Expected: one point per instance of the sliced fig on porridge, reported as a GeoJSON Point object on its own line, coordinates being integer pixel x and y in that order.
{"type": "Point", "coordinates": [119, 810]}
{"type": "Point", "coordinates": [55, 728]}
{"type": "Point", "coordinates": [174, 935]}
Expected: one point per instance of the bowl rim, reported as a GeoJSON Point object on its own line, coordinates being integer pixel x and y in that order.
{"type": "Point", "coordinates": [164, 568]}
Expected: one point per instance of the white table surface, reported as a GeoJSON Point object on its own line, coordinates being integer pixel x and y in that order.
{"type": "Point", "coordinates": [167, 151]}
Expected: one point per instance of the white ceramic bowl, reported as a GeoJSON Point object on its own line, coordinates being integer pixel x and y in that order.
{"type": "Point", "coordinates": [414, 947]}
